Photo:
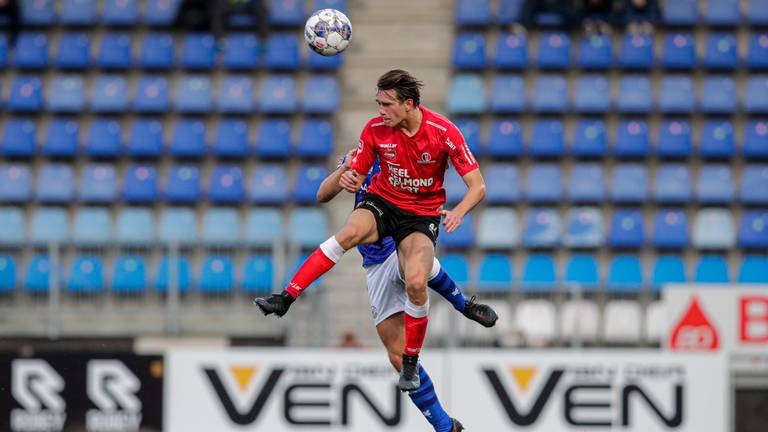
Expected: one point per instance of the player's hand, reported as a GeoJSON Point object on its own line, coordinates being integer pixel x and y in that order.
{"type": "Point", "coordinates": [351, 181]}
{"type": "Point", "coordinates": [451, 220]}
{"type": "Point", "coordinates": [348, 158]}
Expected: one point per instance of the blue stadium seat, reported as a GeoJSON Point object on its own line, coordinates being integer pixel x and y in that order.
{"type": "Point", "coordinates": [549, 94]}
{"type": "Point", "coordinates": [457, 266]}
{"type": "Point", "coordinates": [547, 138]}
{"type": "Point", "coordinates": [156, 51]}
{"type": "Point", "coordinates": [542, 228]}
{"type": "Point", "coordinates": [241, 52]}
{"type": "Point", "coordinates": [582, 270]}
{"type": "Point", "coordinates": [714, 185]}
{"type": "Point", "coordinates": [668, 269]}
{"type": "Point", "coordinates": [7, 274]}
{"type": "Point", "coordinates": [161, 12]}
{"type": "Point", "coordinates": [508, 11]}
{"type": "Point", "coordinates": [676, 94]}
{"type": "Point", "coordinates": [507, 94]}
{"type": "Point", "coordinates": [674, 139]}
{"type": "Point", "coordinates": [286, 13]}
{"type": "Point", "coordinates": [672, 184]}
{"type": "Point", "coordinates": [627, 229]}
{"type": "Point", "coordinates": [755, 144]}
{"type": "Point", "coordinates": [151, 95]}
{"type": "Point", "coordinates": [66, 94]}
{"type": "Point", "coordinates": [592, 94]}
{"type": "Point", "coordinates": [503, 183]}
{"type": "Point", "coordinates": [511, 51]}
{"type": "Point", "coordinates": [543, 183]}
{"type": "Point", "coordinates": [103, 139]}
{"type": "Point", "coordinates": [115, 51]}
{"type": "Point", "coordinates": [37, 275]}
{"type": "Point", "coordinates": [629, 183]}
{"type": "Point", "coordinates": [258, 274]}
{"type": "Point", "coordinates": [15, 183]}
{"type": "Point", "coordinates": [26, 94]}
{"type": "Point", "coordinates": [504, 139]}
{"type": "Point", "coordinates": [110, 94]}
{"type": "Point", "coordinates": [722, 51]}
{"type": "Point", "coordinates": [231, 138]}
{"type": "Point", "coordinates": [146, 138]}
{"type": "Point", "coordinates": [12, 225]}
{"type": "Point", "coordinates": [119, 13]}
{"type": "Point", "coordinates": [317, 62]}
{"type": "Point", "coordinates": [754, 269]}
{"type": "Point", "coordinates": [321, 95]}
{"type": "Point", "coordinates": [705, 237]}
{"type": "Point", "coordinates": [193, 94]}
{"type": "Point", "coordinates": [278, 94]}
{"type": "Point", "coordinates": [226, 185]}
{"type": "Point", "coordinates": [584, 228]}
{"type": "Point", "coordinates": [495, 274]}
{"type": "Point", "coordinates": [61, 138]}
{"type": "Point", "coordinates": [135, 225]}
{"type": "Point", "coordinates": [177, 224]}
{"type": "Point", "coordinates": [198, 51]}
{"type": "Point", "coordinates": [263, 226]}
{"type": "Point", "coordinates": [19, 138]}
{"type": "Point", "coordinates": [217, 275]}
{"type": "Point", "coordinates": [140, 184]}
{"type": "Point", "coordinates": [73, 51]}
{"type": "Point", "coordinates": [274, 138]}
{"type": "Point", "coordinates": [469, 51]}
{"type": "Point", "coordinates": [455, 188]}
{"type": "Point", "coordinates": [539, 274]}
{"type": "Point", "coordinates": [55, 183]}
{"type": "Point", "coordinates": [339, 5]}
{"type": "Point", "coordinates": [756, 94]}
{"type": "Point", "coordinates": [498, 229]}
{"type": "Point", "coordinates": [711, 269]}
{"type": "Point", "coordinates": [636, 51]}
{"type": "Point", "coordinates": [472, 13]}
{"type": "Point", "coordinates": [625, 274]}
{"type": "Point", "coordinates": [753, 229]}
{"type": "Point", "coordinates": [679, 51]}
{"type": "Point", "coordinates": [307, 227]}
{"type": "Point", "coordinates": [587, 183]}
{"type": "Point", "coordinates": [98, 183]}
{"type": "Point", "coordinates": [282, 52]}
{"type": "Point", "coordinates": [718, 95]}
{"type": "Point", "coordinates": [635, 94]}
{"type": "Point", "coordinates": [466, 95]}
{"type": "Point", "coordinates": [596, 52]}
{"type": "Point", "coordinates": [38, 12]}
{"type": "Point", "coordinates": [554, 50]}
{"type": "Point", "coordinates": [183, 275]}
{"type": "Point", "coordinates": [92, 226]}
{"type": "Point", "coordinates": [49, 224]}
{"type": "Point", "coordinates": [470, 129]}
{"type": "Point", "coordinates": [681, 12]}
{"type": "Point", "coordinates": [757, 12]}
{"type": "Point", "coordinates": [31, 51]}
{"type": "Point", "coordinates": [235, 95]}
{"type": "Point", "coordinates": [221, 226]}
{"type": "Point", "coordinates": [182, 184]}
{"type": "Point", "coordinates": [308, 179]}
{"type": "Point", "coordinates": [757, 53]}
{"type": "Point", "coordinates": [723, 13]}
{"type": "Point", "coordinates": [188, 139]}
{"type": "Point", "coordinates": [463, 237]}
{"type": "Point", "coordinates": [670, 229]}
{"type": "Point", "coordinates": [754, 179]}
{"type": "Point", "coordinates": [589, 138]}
{"type": "Point", "coordinates": [3, 50]}
{"type": "Point", "coordinates": [129, 274]}
{"type": "Point", "coordinates": [316, 139]}
{"type": "Point", "coordinates": [717, 139]}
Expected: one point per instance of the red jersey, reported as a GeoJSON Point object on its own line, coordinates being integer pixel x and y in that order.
{"type": "Point", "coordinates": [413, 168]}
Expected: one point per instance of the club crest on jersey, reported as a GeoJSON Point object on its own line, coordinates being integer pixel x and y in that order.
{"type": "Point", "coordinates": [426, 159]}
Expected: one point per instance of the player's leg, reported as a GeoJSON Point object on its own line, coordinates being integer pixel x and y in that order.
{"type": "Point", "coordinates": [443, 284]}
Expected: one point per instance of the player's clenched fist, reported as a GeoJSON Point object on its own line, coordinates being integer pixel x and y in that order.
{"type": "Point", "coordinates": [351, 181]}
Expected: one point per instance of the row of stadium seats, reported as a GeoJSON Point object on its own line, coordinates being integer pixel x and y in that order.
{"type": "Point", "coordinates": [156, 51]}
{"type": "Point", "coordinates": [497, 228]}
{"type": "Point", "coordinates": [673, 94]}
{"type": "Point", "coordinates": [720, 51]}
{"type": "Point", "coordinates": [675, 12]}
{"type": "Point", "coordinates": [194, 94]}
{"type": "Point", "coordinates": [189, 138]}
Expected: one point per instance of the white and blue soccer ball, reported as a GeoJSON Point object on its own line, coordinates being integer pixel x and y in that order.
{"type": "Point", "coordinates": [328, 32]}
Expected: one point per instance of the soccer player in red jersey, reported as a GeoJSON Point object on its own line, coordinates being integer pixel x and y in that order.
{"type": "Point", "coordinates": [404, 201]}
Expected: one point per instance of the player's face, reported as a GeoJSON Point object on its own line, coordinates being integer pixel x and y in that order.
{"type": "Point", "coordinates": [391, 110]}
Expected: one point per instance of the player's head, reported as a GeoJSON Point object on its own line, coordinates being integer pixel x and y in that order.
{"type": "Point", "coordinates": [398, 94]}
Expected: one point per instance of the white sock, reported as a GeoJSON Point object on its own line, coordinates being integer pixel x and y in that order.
{"type": "Point", "coordinates": [332, 249]}
{"type": "Point", "coordinates": [435, 269]}
{"type": "Point", "coordinates": [417, 311]}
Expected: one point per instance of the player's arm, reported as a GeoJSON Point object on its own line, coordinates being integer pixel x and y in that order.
{"type": "Point", "coordinates": [475, 193]}
{"type": "Point", "coordinates": [330, 187]}
{"type": "Point", "coordinates": [362, 161]}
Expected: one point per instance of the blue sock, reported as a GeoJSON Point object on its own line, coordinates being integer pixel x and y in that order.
{"type": "Point", "coordinates": [426, 400]}
{"type": "Point", "coordinates": [446, 287]}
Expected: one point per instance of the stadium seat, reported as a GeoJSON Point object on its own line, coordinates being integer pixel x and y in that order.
{"type": "Point", "coordinates": [679, 51]}
{"type": "Point", "coordinates": [241, 52]}
{"type": "Point", "coordinates": [15, 183]}
{"type": "Point", "coordinates": [547, 138]}
{"type": "Point", "coordinates": [755, 143]}
{"type": "Point", "coordinates": [61, 138]}
{"type": "Point", "coordinates": [472, 13]}
{"type": "Point", "coordinates": [757, 53]}
{"type": "Point", "coordinates": [757, 12]}
{"type": "Point", "coordinates": [7, 274]}
{"type": "Point", "coordinates": [268, 184]}
{"type": "Point", "coordinates": [584, 228]}
{"type": "Point", "coordinates": [129, 274]}
{"type": "Point", "coordinates": [595, 52]}
{"type": "Point", "coordinates": [672, 184]}
{"type": "Point", "coordinates": [110, 94]}
{"type": "Point", "coordinates": [494, 274]}
{"type": "Point", "coordinates": [507, 94]}
{"type": "Point", "coordinates": [26, 94]}
{"type": "Point", "coordinates": [582, 270]}
{"type": "Point", "coordinates": [554, 50]}
{"type": "Point", "coordinates": [73, 51]}
{"type": "Point", "coordinates": [543, 183]}
{"type": "Point", "coordinates": [753, 229]}
{"type": "Point", "coordinates": [722, 13]}
{"type": "Point", "coordinates": [115, 51]}
{"type": "Point", "coordinates": [542, 228]}
{"type": "Point", "coordinates": [286, 13]}
{"type": "Point", "coordinates": [307, 227]}
{"type": "Point", "coordinates": [631, 138]}
{"type": "Point", "coordinates": [470, 129]}
{"type": "Point", "coordinates": [635, 94]}
{"type": "Point", "coordinates": [156, 51]}
{"type": "Point", "coordinates": [711, 269]}
{"type": "Point", "coordinates": [31, 51]}
{"type": "Point", "coordinates": [511, 51]}
{"type": "Point", "coordinates": [308, 179]}
{"type": "Point", "coordinates": [140, 184]}
{"type": "Point", "coordinates": [103, 138]}
{"type": "Point", "coordinates": [221, 226]}
{"type": "Point", "coordinates": [278, 94]}
{"type": "Point", "coordinates": [263, 226]}
{"type": "Point", "coordinates": [339, 5]}
{"type": "Point", "coordinates": [636, 51]}
{"type": "Point", "coordinates": [12, 225]}
{"type": "Point", "coordinates": [539, 274]}
{"type": "Point", "coordinates": [754, 179]}
{"type": "Point", "coordinates": [681, 12]}
{"type": "Point", "coordinates": [226, 185]}
{"type": "Point", "coordinates": [503, 183]}
{"type": "Point", "coordinates": [535, 320]}
{"type": "Point", "coordinates": [92, 226]}
{"type": "Point", "coordinates": [504, 139]}
{"type": "Point", "coordinates": [455, 188]}
{"type": "Point", "coordinates": [714, 185]}
{"type": "Point", "coordinates": [498, 229]}
{"type": "Point", "coordinates": [621, 322]}
{"type": "Point", "coordinates": [98, 183]}
{"type": "Point", "coordinates": [317, 62]}
{"type": "Point", "coordinates": [274, 138]}
{"type": "Point", "coordinates": [655, 322]}
{"type": "Point", "coordinates": [38, 13]}
{"type": "Point", "coordinates": [198, 51]}
{"type": "Point", "coordinates": [756, 94]}
{"type": "Point", "coordinates": [282, 52]}
{"type": "Point", "coordinates": [55, 183]}
{"type": "Point", "coordinates": [321, 95]}
{"type": "Point", "coordinates": [674, 139]}
{"type": "Point", "coordinates": [676, 94]}
{"type": "Point", "coordinates": [718, 95]}
{"type": "Point", "coordinates": [230, 139]}
{"type": "Point", "coordinates": [183, 275]}
{"type": "Point", "coordinates": [135, 225]}
{"type": "Point", "coordinates": [19, 138]}
{"type": "Point", "coordinates": [579, 321]}
{"type": "Point", "coordinates": [37, 275]}
{"type": "Point", "coordinates": [119, 12]}
{"type": "Point", "coordinates": [86, 275]}
{"type": "Point", "coordinates": [625, 274]}
{"type": "Point", "coordinates": [66, 94]}
{"type": "Point", "coordinates": [463, 237]}
{"type": "Point", "coordinates": [258, 274]}
{"type": "Point", "coordinates": [508, 11]}
{"type": "Point", "coordinates": [469, 51]}
{"type": "Point", "coordinates": [193, 94]}
{"type": "Point", "coordinates": [151, 95]}
{"type": "Point", "coordinates": [466, 95]}
{"type": "Point", "coordinates": [722, 51]}
{"type": "Point", "coordinates": [586, 184]}
{"type": "Point", "coordinates": [549, 93]}
{"type": "Point", "coordinates": [146, 138]}
{"type": "Point", "coordinates": [670, 229]}
{"type": "Point", "coordinates": [589, 138]}
{"type": "Point", "coordinates": [457, 266]}
{"type": "Point", "coordinates": [49, 224]}
{"type": "Point", "coordinates": [316, 139]}
{"type": "Point", "coordinates": [3, 50]}
{"type": "Point", "coordinates": [161, 12]}
{"type": "Point", "coordinates": [717, 139]}
{"type": "Point", "coordinates": [629, 183]}
{"type": "Point", "coordinates": [177, 224]}
{"type": "Point", "coordinates": [754, 269]}
{"type": "Point", "coordinates": [188, 139]}
{"type": "Point", "coordinates": [705, 237]}
{"type": "Point", "coordinates": [235, 95]}
{"type": "Point", "coordinates": [592, 94]}
{"type": "Point", "coordinates": [627, 229]}
{"type": "Point", "coordinates": [182, 184]}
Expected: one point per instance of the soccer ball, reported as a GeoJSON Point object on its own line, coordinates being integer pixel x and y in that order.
{"type": "Point", "coordinates": [328, 32]}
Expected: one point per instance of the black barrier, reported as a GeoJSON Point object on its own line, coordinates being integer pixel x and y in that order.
{"type": "Point", "coordinates": [68, 393]}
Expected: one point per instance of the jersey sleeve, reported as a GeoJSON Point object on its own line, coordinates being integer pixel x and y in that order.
{"type": "Point", "coordinates": [362, 161]}
{"type": "Point", "coordinates": [461, 157]}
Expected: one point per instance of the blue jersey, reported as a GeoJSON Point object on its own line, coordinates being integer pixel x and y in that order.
{"type": "Point", "coordinates": [375, 253]}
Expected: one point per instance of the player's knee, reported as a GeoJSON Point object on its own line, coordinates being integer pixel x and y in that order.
{"type": "Point", "coordinates": [416, 282]}
{"type": "Point", "coordinates": [350, 236]}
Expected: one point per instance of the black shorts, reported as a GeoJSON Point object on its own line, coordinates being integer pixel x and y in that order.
{"type": "Point", "coordinates": [397, 223]}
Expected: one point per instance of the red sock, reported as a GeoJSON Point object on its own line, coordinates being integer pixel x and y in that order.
{"type": "Point", "coordinates": [415, 330]}
{"type": "Point", "coordinates": [310, 270]}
